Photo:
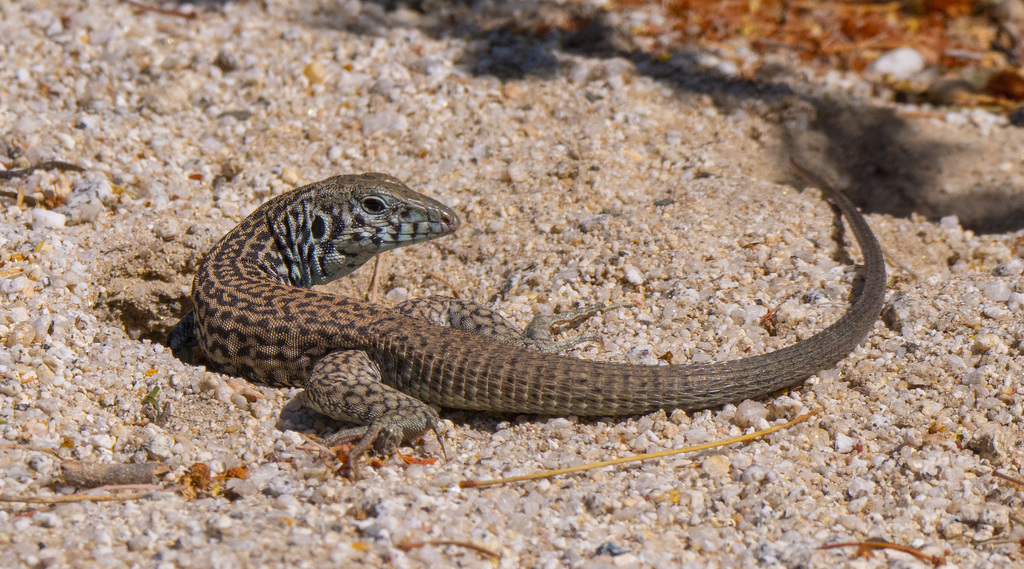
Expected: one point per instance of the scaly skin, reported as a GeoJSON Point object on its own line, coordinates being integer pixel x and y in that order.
{"type": "Point", "coordinates": [255, 317]}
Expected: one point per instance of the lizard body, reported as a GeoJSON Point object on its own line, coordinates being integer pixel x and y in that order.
{"type": "Point", "coordinates": [254, 316]}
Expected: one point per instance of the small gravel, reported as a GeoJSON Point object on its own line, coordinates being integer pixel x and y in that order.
{"type": "Point", "coordinates": [580, 179]}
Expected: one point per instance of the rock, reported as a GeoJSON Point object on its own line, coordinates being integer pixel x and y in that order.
{"type": "Point", "coordinates": [159, 446]}
{"type": "Point", "coordinates": [45, 218]}
{"type": "Point", "coordinates": [17, 284]}
{"type": "Point", "coordinates": [226, 61]}
{"type": "Point", "coordinates": [1010, 268]}
{"type": "Point", "coordinates": [634, 277]}
{"type": "Point", "coordinates": [749, 414]}
{"type": "Point", "coordinates": [901, 63]}
{"type": "Point", "coordinates": [987, 442]}
{"type": "Point", "coordinates": [716, 465]}
{"type": "Point", "coordinates": [860, 487]}
{"type": "Point", "coordinates": [950, 223]}
{"type": "Point", "coordinates": [103, 441]}
{"type": "Point", "coordinates": [315, 72]}
{"type": "Point", "coordinates": [996, 291]}
{"type": "Point", "coordinates": [21, 334]}
{"type": "Point", "coordinates": [843, 443]}
{"type": "Point", "coordinates": [89, 122]}
{"type": "Point", "coordinates": [397, 295]}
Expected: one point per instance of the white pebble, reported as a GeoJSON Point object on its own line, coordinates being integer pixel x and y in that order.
{"type": "Point", "coordinates": [697, 435]}
{"type": "Point", "coordinates": [49, 405]}
{"type": "Point", "coordinates": [995, 312]}
{"type": "Point", "coordinates": [860, 487]}
{"type": "Point", "coordinates": [626, 560]}
{"type": "Point", "coordinates": [66, 140]}
{"type": "Point", "coordinates": [950, 223]}
{"type": "Point", "coordinates": [754, 473]}
{"type": "Point", "coordinates": [48, 520]}
{"type": "Point", "coordinates": [139, 542]}
{"type": "Point", "coordinates": [634, 277]}
{"type": "Point", "coordinates": [334, 153]}
{"type": "Point", "coordinates": [41, 326]}
{"type": "Point", "coordinates": [103, 441]}
{"type": "Point", "coordinates": [397, 295]}
{"type": "Point", "coordinates": [288, 503]}
{"type": "Point", "coordinates": [976, 377]}
{"type": "Point", "coordinates": [21, 334]}
{"type": "Point", "coordinates": [16, 284]}
{"type": "Point", "coordinates": [749, 414]}
{"type": "Point", "coordinates": [616, 67]}
{"type": "Point", "coordinates": [901, 63]}
{"type": "Point", "coordinates": [1016, 302]}
{"type": "Point", "coordinates": [984, 343]}
{"type": "Point", "coordinates": [89, 122]}
{"type": "Point", "coordinates": [843, 443]}
{"type": "Point", "coordinates": [45, 218]}
{"type": "Point", "coordinates": [292, 438]}
{"type": "Point", "coordinates": [996, 291]}
{"type": "Point", "coordinates": [159, 446]}
{"type": "Point", "coordinates": [1010, 268]}
{"type": "Point", "coordinates": [717, 465]}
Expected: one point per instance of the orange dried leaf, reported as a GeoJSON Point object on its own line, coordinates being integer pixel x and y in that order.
{"type": "Point", "coordinates": [1007, 84]}
{"type": "Point", "coordinates": [238, 472]}
{"type": "Point", "coordinates": [409, 459]}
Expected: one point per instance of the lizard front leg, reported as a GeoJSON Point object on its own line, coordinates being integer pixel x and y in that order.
{"type": "Point", "coordinates": [183, 338]}
{"type": "Point", "coordinates": [346, 385]}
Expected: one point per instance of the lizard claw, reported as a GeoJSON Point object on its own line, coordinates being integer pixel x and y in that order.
{"type": "Point", "coordinates": [440, 441]}
{"type": "Point", "coordinates": [360, 448]}
{"type": "Point", "coordinates": [384, 438]}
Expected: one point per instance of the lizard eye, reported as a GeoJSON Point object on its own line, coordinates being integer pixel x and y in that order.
{"type": "Point", "coordinates": [318, 228]}
{"type": "Point", "coordinates": [373, 205]}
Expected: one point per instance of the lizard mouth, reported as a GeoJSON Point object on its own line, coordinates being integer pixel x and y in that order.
{"type": "Point", "coordinates": [436, 223]}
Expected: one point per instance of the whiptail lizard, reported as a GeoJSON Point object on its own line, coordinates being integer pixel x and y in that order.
{"type": "Point", "coordinates": [254, 316]}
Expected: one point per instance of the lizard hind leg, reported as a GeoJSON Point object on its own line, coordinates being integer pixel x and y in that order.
{"type": "Point", "coordinates": [483, 321]}
{"type": "Point", "coordinates": [346, 385]}
{"type": "Point", "coordinates": [539, 329]}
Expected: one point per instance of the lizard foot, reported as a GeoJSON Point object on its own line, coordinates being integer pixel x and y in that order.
{"type": "Point", "coordinates": [384, 437]}
{"type": "Point", "coordinates": [542, 325]}
{"type": "Point", "coordinates": [346, 385]}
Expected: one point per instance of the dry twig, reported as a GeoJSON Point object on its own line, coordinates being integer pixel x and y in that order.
{"type": "Point", "coordinates": [409, 545]}
{"type": "Point", "coordinates": [864, 549]}
{"type": "Point", "coordinates": [639, 457]}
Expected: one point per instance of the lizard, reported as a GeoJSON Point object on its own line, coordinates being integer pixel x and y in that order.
{"type": "Point", "coordinates": [384, 370]}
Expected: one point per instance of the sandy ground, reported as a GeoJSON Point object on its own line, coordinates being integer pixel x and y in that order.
{"type": "Point", "coordinates": [577, 167]}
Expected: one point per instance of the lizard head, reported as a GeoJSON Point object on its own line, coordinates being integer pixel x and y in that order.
{"type": "Point", "coordinates": [330, 228]}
